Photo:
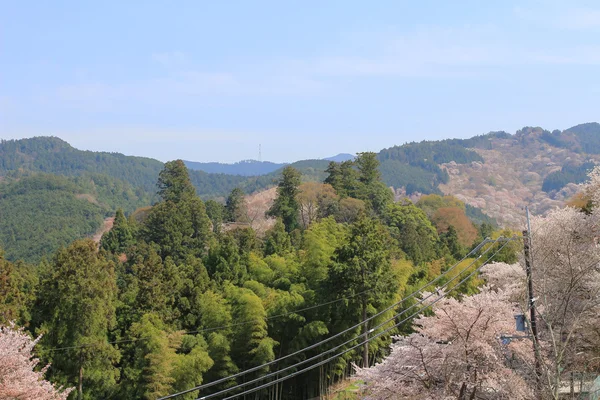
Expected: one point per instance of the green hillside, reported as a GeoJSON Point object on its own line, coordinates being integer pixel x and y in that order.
{"type": "Point", "coordinates": [41, 213]}
{"type": "Point", "coordinates": [55, 156]}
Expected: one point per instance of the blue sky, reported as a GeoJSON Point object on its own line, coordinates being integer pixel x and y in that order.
{"type": "Point", "coordinates": [211, 80]}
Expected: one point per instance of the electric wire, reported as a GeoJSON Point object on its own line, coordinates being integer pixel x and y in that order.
{"type": "Point", "coordinates": [359, 344]}
{"type": "Point", "coordinates": [413, 294]}
{"type": "Point", "coordinates": [348, 341]}
{"type": "Point", "coordinates": [242, 373]}
{"type": "Point", "coordinates": [222, 326]}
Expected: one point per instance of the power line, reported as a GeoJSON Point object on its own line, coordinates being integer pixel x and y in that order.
{"type": "Point", "coordinates": [222, 326]}
{"type": "Point", "coordinates": [348, 341]}
{"type": "Point", "coordinates": [204, 386]}
{"type": "Point", "coordinates": [359, 344]}
{"type": "Point", "coordinates": [242, 373]}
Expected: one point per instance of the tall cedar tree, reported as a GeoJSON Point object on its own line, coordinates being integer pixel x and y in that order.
{"type": "Point", "coordinates": [216, 213]}
{"type": "Point", "coordinates": [362, 263]}
{"type": "Point", "coordinates": [286, 204]}
{"type": "Point", "coordinates": [371, 190]}
{"type": "Point", "coordinates": [17, 290]}
{"type": "Point", "coordinates": [76, 307]}
{"type": "Point", "coordinates": [120, 237]}
{"type": "Point", "coordinates": [179, 224]}
{"type": "Point", "coordinates": [235, 206]}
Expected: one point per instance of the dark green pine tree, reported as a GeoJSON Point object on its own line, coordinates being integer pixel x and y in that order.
{"type": "Point", "coordinates": [277, 240]}
{"type": "Point", "coordinates": [120, 237]}
{"type": "Point", "coordinates": [413, 231]}
{"type": "Point", "coordinates": [361, 270]}
{"type": "Point", "coordinates": [286, 204]}
{"type": "Point", "coordinates": [174, 182]}
{"type": "Point", "coordinates": [349, 179]}
{"type": "Point", "coordinates": [450, 240]}
{"type": "Point", "coordinates": [368, 168]}
{"type": "Point", "coordinates": [370, 189]}
{"type": "Point", "coordinates": [235, 206]}
{"type": "Point", "coordinates": [216, 213]}
{"type": "Point", "coordinates": [76, 308]}
{"type": "Point", "coordinates": [178, 224]}
{"type": "Point", "coordinates": [334, 177]}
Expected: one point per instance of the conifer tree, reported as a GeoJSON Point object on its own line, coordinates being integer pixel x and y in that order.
{"type": "Point", "coordinates": [179, 224]}
{"type": "Point", "coordinates": [286, 204]}
{"type": "Point", "coordinates": [277, 240]}
{"type": "Point", "coordinates": [76, 308]}
{"type": "Point", "coordinates": [361, 269]}
{"type": "Point", "coordinates": [216, 213]}
{"type": "Point", "coordinates": [235, 206]}
{"type": "Point", "coordinates": [120, 237]}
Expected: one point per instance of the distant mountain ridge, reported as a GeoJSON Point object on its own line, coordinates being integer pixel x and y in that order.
{"type": "Point", "coordinates": [341, 157]}
{"type": "Point", "coordinates": [251, 167]}
{"type": "Point", "coordinates": [243, 168]}
{"type": "Point", "coordinates": [498, 172]}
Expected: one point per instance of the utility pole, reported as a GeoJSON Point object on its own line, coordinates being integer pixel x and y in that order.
{"type": "Point", "coordinates": [364, 318]}
{"type": "Point", "coordinates": [528, 265]}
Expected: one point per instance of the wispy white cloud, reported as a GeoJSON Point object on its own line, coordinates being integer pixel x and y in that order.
{"type": "Point", "coordinates": [561, 15]}
{"type": "Point", "coordinates": [449, 52]}
{"type": "Point", "coordinates": [184, 84]}
{"type": "Point", "coordinates": [469, 51]}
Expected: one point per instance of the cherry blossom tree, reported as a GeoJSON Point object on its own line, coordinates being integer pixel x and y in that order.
{"type": "Point", "coordinates": [18, 378]}
{"type": "Point", "coordinates": [457, 353]}
{"type": "Point", "coordinates": [566, 280]}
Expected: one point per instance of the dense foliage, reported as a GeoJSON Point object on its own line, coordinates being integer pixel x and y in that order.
{"type": "Point", "coordinates": [42, 212]}
{"type": "Point", "coordinates": [171, 300]}
{"type": "Point", "coordinates": [470, 348]}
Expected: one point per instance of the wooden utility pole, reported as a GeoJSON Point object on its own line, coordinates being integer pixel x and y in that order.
{"type": "Point", "coordinates": [364, 318]}
{"type": "Point", "coordinates": [80, 383]}
{"type": "Point", "coordinates": [534, 331]}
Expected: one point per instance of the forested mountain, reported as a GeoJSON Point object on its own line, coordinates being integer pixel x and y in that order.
{"type": "Point", "coordinates": [498, 173]}
{"type": "Point", "coordinates": [340, 157]}
{"type": "Point", "coordinates": [177, 298]}
{"type": "Point", "coordinates": [41, 212]}
{"type": "Point", "coordinates": [55, 156]}
{"type": "Point", "coordinates": [187, 292]}
{"type": "Point", "coordinates": [252, 167]}
{"type": "Point", "coordinates": [244, 168]}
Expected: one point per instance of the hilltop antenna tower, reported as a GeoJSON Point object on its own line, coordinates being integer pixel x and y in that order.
{"type": "Point", "coordinates": [259, 153]}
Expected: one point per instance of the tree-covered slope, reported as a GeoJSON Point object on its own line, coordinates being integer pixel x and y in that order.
{"type": "Point", "coordinates": [41, 212]}
{"type": "Point", "coordinates": [415, 166]}
{"type": "Point", "coordinates": [583, 138]}
{"type": "Point", "coordinates": [55, 156]}
{"type": "Point", "coordinates": [567, 174]}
